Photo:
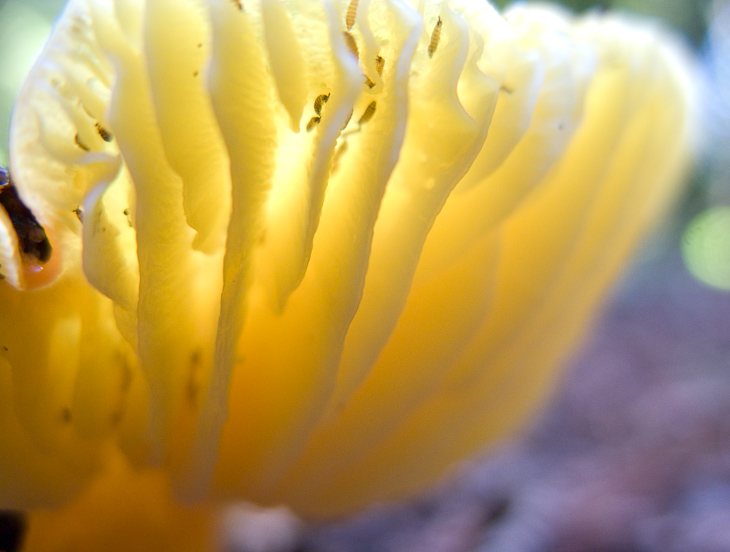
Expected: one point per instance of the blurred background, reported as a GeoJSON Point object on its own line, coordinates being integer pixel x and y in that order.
{"type": "Point", "coordinates": [633, 452]}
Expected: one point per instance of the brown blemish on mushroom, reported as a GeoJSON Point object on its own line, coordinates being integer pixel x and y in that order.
{"type": "Point", "coordinates": [367, 114]}
{"type": "Point", "coordinates": [351, 44]}
{"type": "Point", "coordinates": [313, 122]}
{"type": "Point", "coordinates": [32, 238]}
{"type": "Point", "coordinates": [104, 133]}
{"type": "Point", "coordinates": [79, 143]}
{"type": "Point", "coordinates": [379, 64]}
{"type": "Point", "coordinates": [319, 103]}
{"type": "Point", "coordinates": [435, 38]}
{"type": "Point", "coordinates": [351, 13]}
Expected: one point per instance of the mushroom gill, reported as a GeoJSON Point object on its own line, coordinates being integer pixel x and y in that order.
{"type": "Point", "coordinates": [312, 252]}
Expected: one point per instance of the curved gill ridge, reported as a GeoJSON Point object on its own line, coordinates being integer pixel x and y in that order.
{"type": "Point", "coordinates": [314, 253]}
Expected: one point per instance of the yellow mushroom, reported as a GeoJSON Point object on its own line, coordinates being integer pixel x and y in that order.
{"type": "Point", "coordinates": [235, 320]}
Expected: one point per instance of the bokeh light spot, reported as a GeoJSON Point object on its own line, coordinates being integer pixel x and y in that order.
{"type": "Point", "coordinates": [706, 247]}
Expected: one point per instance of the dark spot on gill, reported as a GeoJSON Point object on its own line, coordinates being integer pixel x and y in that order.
{"type": "Point", "coordinates": [32, 237]}
{"type": "Point", "coordinates": [379, 64]}
{"type": "Point", "coordinates": [435, 38]}
{"type": "Point", "coordinates": [351, 13]}
{"type": "Point", "coordinates": [367, 114]}
{"type": "Point", "coordinates": [319, 102]}
{"type": "Point", "coordinates": [313, 122]}
{"type": "Point", "coordinates": [80, 144]}
{"type": "Point", "coordinates": [104, 133]}
{"type": "Point", "coordinates": [351, 44]}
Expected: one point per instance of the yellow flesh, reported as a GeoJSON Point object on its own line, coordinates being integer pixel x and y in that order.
{"type": "Point", "coordinates": [316, 305]}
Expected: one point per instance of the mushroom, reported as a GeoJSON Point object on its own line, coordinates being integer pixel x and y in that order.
{"type": "Point", "coordinates": [322, 317]}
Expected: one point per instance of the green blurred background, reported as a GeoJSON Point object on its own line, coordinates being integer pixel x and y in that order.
{"type": "Point", "coordinates": [687, 15]}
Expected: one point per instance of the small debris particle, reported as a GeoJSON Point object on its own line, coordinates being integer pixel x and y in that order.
{"type": "Point", "coordinates": [80, 144]}
{"type": "Point", "coordinates": [104, 133]}
{"type": "Point", "coordinates": [435, 38]}
{"type": "Point", "coordinates": [367, 114]}
{"type": "Point", "coordinates": [351, 44]}
{"type": "Point", "coordinates": [379, 64]}
{"type": "Point", "coordinates": [313, 122]}
{"type": "Point", "coordinates": [351, 13]}
{"type": "Point", "coordinates": [32, 237]}
{"type": "Point", "coordinates": [319, 102]}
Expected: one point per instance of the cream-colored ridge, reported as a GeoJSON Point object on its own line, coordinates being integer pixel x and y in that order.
{"type": "Point", "coordinates": [313, 252]}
